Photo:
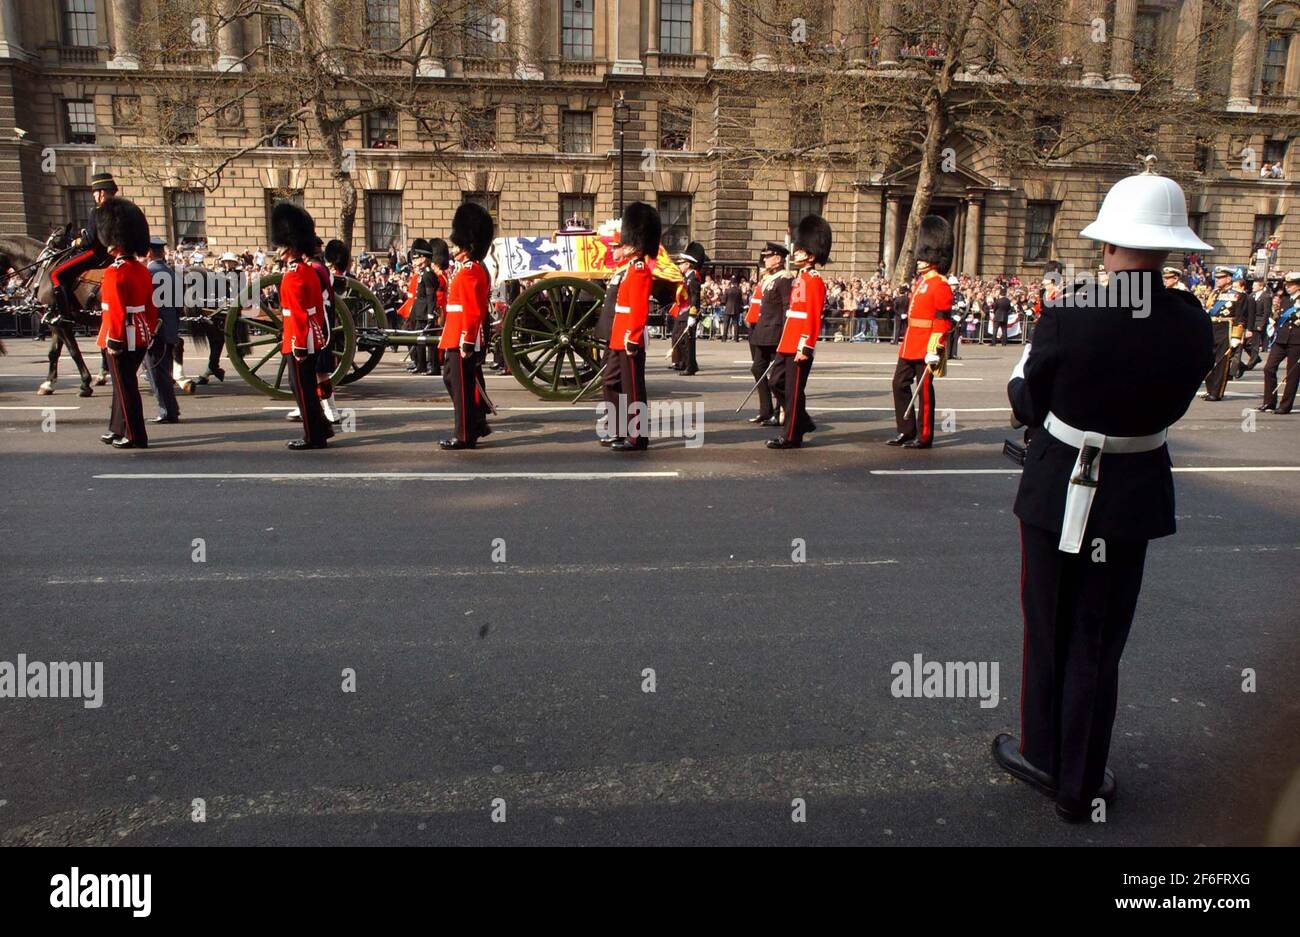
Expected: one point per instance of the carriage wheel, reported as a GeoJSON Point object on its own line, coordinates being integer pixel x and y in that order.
{"type": "Point", "coordinates": [549, 336]}
{"type": "Point", "coordinates": [253, 343]}
{"type": "Point", "coordinates": [368, 317]}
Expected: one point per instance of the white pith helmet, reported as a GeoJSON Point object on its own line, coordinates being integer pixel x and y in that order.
{"type": "Point", "coordinates": [1145, 212]}
{"type": "Point", "coordinates": [229, 256]}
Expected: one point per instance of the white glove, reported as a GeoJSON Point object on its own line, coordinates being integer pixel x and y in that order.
{"type": "Point", "coordinates": [1019, 370]}
{"type": "Point", "coordinates": [1235, 343]}
{"type": "Point", "coordinates": [932, 358]}
{"type": "Point", "coordinates": [690, 322]}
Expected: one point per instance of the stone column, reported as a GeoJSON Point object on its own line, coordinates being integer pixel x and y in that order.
{"type": "Point", "coordinates": [652, 28]}
{"type": "Point", "coordinates": [126, 28]}
{"type": "Point", "coordinates": [1187, 45]}
{"type": "Point", "coordinates": [627, 38]}
{"type": "Point", "coordinates": [1243, 56]}
{"type": "Point", "coordinates": [974, 235]}
{"type": "Point", "coordinates": [892, 204]}
{"type": "Point", "coordinates": [431, 64]}
{"type": "Point", "coordinates": [1121, 44]}
{"type": "Point", "coordinates": [890, 41]}
{"type": "Point", "coordinates": [523, 33]}
{"type": "Point", "coordinates": [1007, 40]}
{"type": "Point", "coordinates": [230, 38]}
{"type": "Point", "coordinates": [11, 37]}
{"type": "Point", "coordinates": [726, 36]}
{"type": "Point", "coordinates": [762, 38]}
{"type": "Point", "coordinates": [1093, 52]}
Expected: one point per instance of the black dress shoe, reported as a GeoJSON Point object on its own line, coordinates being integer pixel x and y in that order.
{"type": "Point", "coordinates": [916, 444]}
{"type": "Point", "coordinates": [299, 444]}
{"type": "Point", "coordinates": [608, 441]}
{"type": "Point", "coordinates": [782, 443]}
{"type": "Point", "coordinates": [86, 390]}
{"type": "Point", "coordinates": [452, 444]}
{"type": "Point", "coordinates": [123, 443]}
{"type": "Point", "coordinates": [770, 421]}
{"type": "Point", "coordinates": [1210, 397]}
{"type": "Point", "coordinates": [1265, 408]}
{"type": "Point", "coordinates": [898, 440]}
{"type": "Point", "coordinates": [625, 445]}
{"type": "Point", "coordinates": [1282, 412]}
{"type": "Point", "coordinates": [107, 439]}
{"type": "Point", "coordinates": [1006, 752]}
{"type": "Point", "coordinates": [165, 419]}
{"type": "Point", "coordinates": [484, 430]}
{"type": "Point", "coordinates": [756, 419]}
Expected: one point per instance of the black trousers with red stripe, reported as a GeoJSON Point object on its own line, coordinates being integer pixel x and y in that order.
{"type": "Point", "coordinates": [1077, 614]}
{"type": "Point", "coordinates": [632, 376]}
{"type": "Point", "coordinates": [126, 417]}
{"type": "Point", "coordinates": [302, 377]}
{"type": "Point", "coordinates": [907, 372]}
{"type": "Point", "coordinates": [789, 384]}
{"type": "Point", "coordinates": [460, 374]}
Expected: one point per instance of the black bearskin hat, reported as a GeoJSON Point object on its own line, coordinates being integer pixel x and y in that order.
{"type": "Point", "coordinates": [813, 237]}
{"type": "Point", "coordinates": [122, 224]}
{"type": "Point", "coordinates": [439, 253]}
{"type": "Point", "coordinates": [472, 230]}
{"type": "Point", "coordinates": [337, 255]}
{"type": "Point", "coordinates": [641, 228]}
{"type": "Point", "coordinates": [293, 228]}
{"type": "Point", "coordinates": [934, 243]}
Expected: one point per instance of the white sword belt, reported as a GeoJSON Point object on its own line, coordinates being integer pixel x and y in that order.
{"type": "Point", "coordinates": [1119, 445]}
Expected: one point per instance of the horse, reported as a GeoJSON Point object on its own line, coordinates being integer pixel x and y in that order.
{"type": "Point", "coordinates": [36, 260]}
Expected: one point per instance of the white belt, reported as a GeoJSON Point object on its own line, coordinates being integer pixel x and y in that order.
{"type": "Point", "coordinates": [132, 310]}
{"type": "Point", "coordinates": [618, 308]}
{"type": "Point", "coordinates": [1086, 474]}
{"type": "Point", "coordinates": [455, 307]}
{"type": "Point", "coordinates": [1121, 445]}
{"type": "Point", "coordinates": [796, 315]}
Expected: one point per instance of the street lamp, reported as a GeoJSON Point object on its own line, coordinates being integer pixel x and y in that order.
{"type": "Point", "coordinates": [622, 115]}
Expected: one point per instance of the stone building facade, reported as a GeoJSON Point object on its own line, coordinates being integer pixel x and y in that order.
{"type": "Point", "coordinates": [78, 92]}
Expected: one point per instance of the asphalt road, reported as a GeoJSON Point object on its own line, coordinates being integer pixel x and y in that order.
{"type": "Point", "coordinates": [525, 680]}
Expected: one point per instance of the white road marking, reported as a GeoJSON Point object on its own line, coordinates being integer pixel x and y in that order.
{"type": "Point", "coordinates": [893, 362]}
{"type": "Point", "coordinates": [40, 408]}
{"type": "Point", "coordinates": [850, 377]}
{"type": "Point", "coordinates": [447, 409]}
{"type": "Point", "coordinates": [1199, 469]}
{"type": "Point", "coordinates": [812, 406]}
{"type": "Point", "coordinates": [380, 476]}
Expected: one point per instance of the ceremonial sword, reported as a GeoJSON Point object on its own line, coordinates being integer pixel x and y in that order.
{"type": "Point", "coordinates": [755, 387]}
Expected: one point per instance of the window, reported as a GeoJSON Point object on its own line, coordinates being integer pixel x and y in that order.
{"type": "Point", "coordinates": [383, 219]}
{"type": "Point", "coordinates": [1273, 72]}
{"type": "Point", "coordinates": [675, 215]}
{"type": "Point", "coordinates": [480, 22]}
{"type": "Point", "coordinates": [491, 201]}
{"type": "Point", "coordinates": [1275, 151]}
{"type": "Point", "coordinates": [575, 132]}
{"type": "Point", "coordinates": [79, 121]}
{"type": "Point", "coordinates": [1047, 134]}
{"type": "Point", "coordinates": [178, 123]}
{"type": "Point", "coordinates": [1196, 221]}
{"type": "Point", "coordinates": [1203, 160]}
{"type": "Point", "coordinates": [576, 29]}
{"type": "Point", "coordinates": [278, 128]}
{"type": "Point", "coordinates": [675, 36]}
{"type": "Point", "coordinates": [803, 204]}
{"type": "Point", "coordinates": [79, 23]}
{"type": "Point", "coordinates": [281, 31]}
{"type": "Point", "coordinates": [81, 205]}
{"type": "Point", "coordinates": [381, 129]}
{"type": "Point", "coordinates": [1146, 34]}
{"type": "Point", "coordinates": [279, 195]}
{"type": "Point", "coordinates": [578, 209]}
{"type": "Point", "coordinates": [674, 128]}
{"type": "Point", "coordinates": [1265, 227]}
{"type": "Point", "coordinates": [1039, 220]}
{"type": "Point", "coordinates": [478, 129]}
{"type": "Point", "coordinates": [383, 24]}
{"type": "Point", "coordinates": [189, 225]}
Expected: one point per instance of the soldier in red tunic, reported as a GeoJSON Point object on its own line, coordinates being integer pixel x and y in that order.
{"type": "Point", "coordinates": [130, 320]}
{"type": "Point", "coordinates": [803, 322]}
{"type": "Point", "coordinates": [639, 237]}
{"type": "Point", "coordinates": [929, 317]}
{"type": "Point", "coordinates": [462, 333]}
{"type": "Point", "coordinates": [306, 330]}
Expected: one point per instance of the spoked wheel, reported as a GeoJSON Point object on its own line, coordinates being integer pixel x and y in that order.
{"type": "Point", "coordinates": [256, 353]}
{"type": "Point", "coordinates": [368, 317]}
{"type": "Point", "coordinates": [549, 336]}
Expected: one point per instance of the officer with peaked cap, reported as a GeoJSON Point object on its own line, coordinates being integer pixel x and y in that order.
{"type": "Point", "coordinates": [1227, 311]}
{"type": "Point", "coordinates": [765, 319]}
{"type": "Point", "coordinates": [160, 359]}
{"type": "Point", "coordinates": [1173, 278]}
{"type": "Point", "coordinates": [1099, 387]}
{"type": "Point", "coordinates": [1286, 345]}
{"type": "Point", "coordinates": [691, 261]}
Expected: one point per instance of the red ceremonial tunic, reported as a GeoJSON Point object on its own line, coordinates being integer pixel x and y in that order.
{"type": "Point", "coordinates": [302, 303]}
{"type": "Point", "coordinates": [803, 320]}
{"type": "Point", "coordinates": [928, 313]}
{"type": "Point", "coordinates": [411, 287]}
{"type": "Point", "coordinates": [632, 307]}
{"type": "Point", "coordinates": [126, 300]}
{"type": "Point", "coordinates": [467, 306]}
{"type": "Point", "coordinates": [755, 304]}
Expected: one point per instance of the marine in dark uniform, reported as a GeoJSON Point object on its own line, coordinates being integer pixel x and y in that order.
{"type": "Point", "coordinates": [1099, 388]}
{"type": "Point", "coordinates": [690, 261]}
{"type": "Point", "coordinates": [161, 357]}
{"type": "Point", "coordinates": [1286, 347]}
{"type": "Point", "coordinates": [766, 317]}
